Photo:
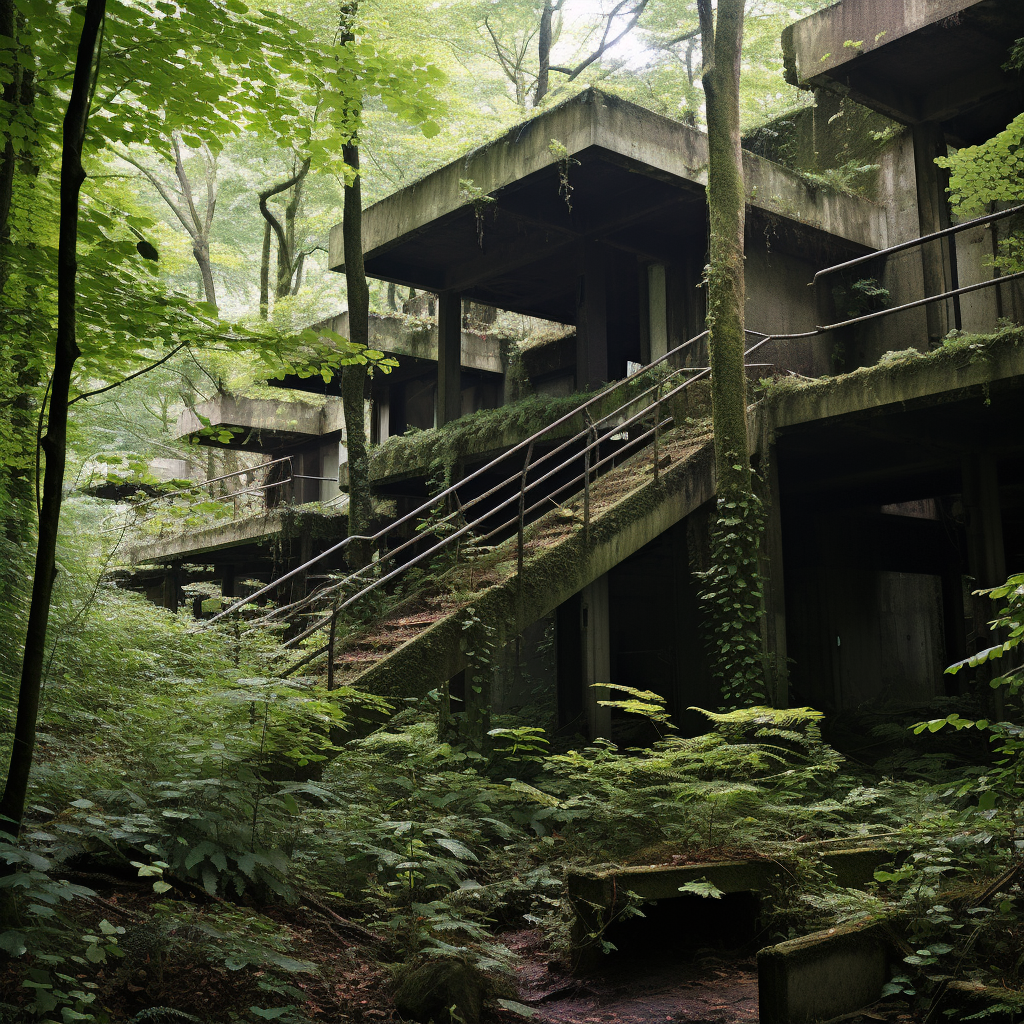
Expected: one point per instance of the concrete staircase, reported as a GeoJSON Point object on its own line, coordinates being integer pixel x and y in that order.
{"type": "Point", "coordinates": [419, 645]}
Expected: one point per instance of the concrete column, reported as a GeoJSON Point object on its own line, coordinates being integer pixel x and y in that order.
{"type": "Point", "coordinates": [592, 319]}
{"type": "Point", "coordinates": [775, 595]}
{"type": "Point", "coordinates": [228, 581]}
{"type": "Point", "coordinates": [933, 215]}
{"type": "Point", "coordinates": [986, 551]}
{"type": "Point", "coordinates": [449, 357]}
{"type": "Point", "coordinates": [597, 662]}
{"type": "Point", "coordinates": [657, 310]}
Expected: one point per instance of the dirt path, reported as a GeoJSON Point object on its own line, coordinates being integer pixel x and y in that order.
{"type": "Point", "coordinates": [706, 987]}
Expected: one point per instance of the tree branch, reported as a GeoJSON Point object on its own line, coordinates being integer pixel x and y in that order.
{"type": "Point", "coordinates": [131, 376]}
{"type": "Point", "coordinates": [606, 44]}
{"type": "Point", "coordinates": [165, 193]}
{"type": "Point", "coordinates": [274, 223]}
{"type": "Point", "coordinates": [186, 188]}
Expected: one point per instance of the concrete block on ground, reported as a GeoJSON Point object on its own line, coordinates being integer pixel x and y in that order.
{"type": "Point", "coordinates": [823, 975]}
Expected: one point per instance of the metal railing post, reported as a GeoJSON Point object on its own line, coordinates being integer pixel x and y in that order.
{"type": "Point", "coordinates": [522, 508]}
{"type": "Point", "coordinates": [591, 437]}
{"type": "Point", "coordinates": [657, 429]}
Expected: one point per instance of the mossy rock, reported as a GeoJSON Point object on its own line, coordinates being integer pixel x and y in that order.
{"type": "Point", "coordinates": [428, 990]}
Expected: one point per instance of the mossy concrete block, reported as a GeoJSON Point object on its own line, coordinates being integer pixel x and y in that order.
{"type": "Point", "coordinates": [823, 975]}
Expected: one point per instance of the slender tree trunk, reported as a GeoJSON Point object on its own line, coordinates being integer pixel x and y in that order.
{"type": "Point", "coordinates": [353, 377]}
{"type": "Point", "coordinates": [265, 273]}
{"type": "Point", "coordinates": [201, 251]}
{"type": "Point", "coordinates": [726, 206]}
{"type": "Point", "coordinates": [543, 54]}
{"type": "Point", "coordinates": [12, 805]}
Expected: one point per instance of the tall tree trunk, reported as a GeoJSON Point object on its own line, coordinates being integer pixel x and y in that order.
{"type": "Point", "coordinates": [12, 804]}
{"type": "Point", "coordinates": [265, 273]}
{"type": "Point", "coordinates": [353, 377]}
{"type": "Point", "coordinates": [201, 251]}
{"type": "Point", "coordinates": [543, 54]}
{"type": "Point", "coordinates": [726, 205]}
{"type": "Point", "coordinates": [732, 596]}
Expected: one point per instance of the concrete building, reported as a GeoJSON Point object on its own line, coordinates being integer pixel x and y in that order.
{"type": "Point", "coordinates": [895, 483]}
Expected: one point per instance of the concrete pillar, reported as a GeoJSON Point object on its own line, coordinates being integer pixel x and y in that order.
{"type": "Point", "coordinates": [933, 215]}
{"type": "Point", "coordinates": [657, 310]}
{"type": "Point", "coordinates": [986, 550]}
{"type": "Point", "coordinates": [228, 581]}
{"type": "Point", "coordinates": [592, 319]}
{"type": "Point", "coordinates": [449, 357]}
{"type": "Point", "coordinates": [597, 661]}
{"type": "Point", "coordinates": [775, 592]}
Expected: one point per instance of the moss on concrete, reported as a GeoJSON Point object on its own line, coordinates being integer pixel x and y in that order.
{"type": "Point", "coordinates": [965, 361]}
{"type": "Point", "coordinates": [439, 452]}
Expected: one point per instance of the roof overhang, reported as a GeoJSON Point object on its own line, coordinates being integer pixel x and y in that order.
{"type": "Point", "coordinates": [916, 60]}
{"type": "Point", "coordinates": [637, 183]}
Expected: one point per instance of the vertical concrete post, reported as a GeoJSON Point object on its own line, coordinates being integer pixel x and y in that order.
{"type": "Point", "coordinates": [597, 662]}
{"type": "Point", "coordinates": [775, 592]}
{"type": "Point", "coordinates": [986, 549]}
{"type": "Point", "coordinates": [591, 319]}
{"type": "Point", "coordinates": [449, 357]}
{"type": "Point", "coordinates": [657, 310]}
{"type": "Point", "coordinates": [228, 580]}
{"type": "Point", "coordinates": [933, 215]}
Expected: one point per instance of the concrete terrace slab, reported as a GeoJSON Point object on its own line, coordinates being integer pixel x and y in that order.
{"type": "Point", "coordinates": [637, 184]}
{"type": "Point", "coordinates": [915, 60]}
{"type": "Point", "coordinates": [259, 424]}
{"type": "Point", "coordinates": [235, 533]}
{"type": "Point", "coordinates": [412, 341]}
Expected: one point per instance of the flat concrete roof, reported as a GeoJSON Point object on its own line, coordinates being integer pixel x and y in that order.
{"type": "Point", "coordinates": [638, 184]}
{"type": "Point", "coordinates": [916, 60]}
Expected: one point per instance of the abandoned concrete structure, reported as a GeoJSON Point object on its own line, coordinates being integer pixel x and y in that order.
{"type": "Point", "coordinates": [895, 482]}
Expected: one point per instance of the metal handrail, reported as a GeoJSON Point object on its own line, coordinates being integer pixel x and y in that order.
{"type": "Point", "coordinates": [923, 240]}
{"type": "Point", "coordinates": [432, 502]}
{"type": "Point", "coordinates": [593, 440]}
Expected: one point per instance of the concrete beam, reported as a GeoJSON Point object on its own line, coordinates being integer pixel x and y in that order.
{"type": "Point", "coordinates": [830, 41]}
{"type": "Point", "coordinates": [254, 416]}
{"type": "Point", "coordinates": [651, 144]}
{"type": "Point", "coordinates": [402, 335]}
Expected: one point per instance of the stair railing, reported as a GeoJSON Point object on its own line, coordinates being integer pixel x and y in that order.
{"type": "Point", "coordinates": [591, 437]}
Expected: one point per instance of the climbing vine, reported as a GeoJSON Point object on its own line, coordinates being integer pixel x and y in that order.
{"type": "Point", "coordinates": [560, 152]}
{"type": "Point", "coordinates": [732, 598]}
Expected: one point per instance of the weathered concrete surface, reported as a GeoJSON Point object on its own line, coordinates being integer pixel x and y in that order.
{"type": "Point", "coordinates": [945, 373]}
{"type": "Point", "coordinates": [604, 887]}
{"type": "Point", "coordinates": [259, 423]}
{"type": "Point", "coordinates": [826, 42]}
{"type": "Point", "coordinates": [823, 975]}
{"type": "Point", "coordinates": [412, 337]}
{"type": "Point", "coordinates": [915, 61]}
{"type": "Point", "coordinates": [233, 533]}
{"type": "Point", "coordinates": [646, 142]}
{"type": "Point", "coordinates": [202, 541]}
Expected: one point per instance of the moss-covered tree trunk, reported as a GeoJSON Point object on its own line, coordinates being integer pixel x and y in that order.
{"type": "Point", "coordinates": [54, 442]}
{"type": "Point", "coordinates": [722, 43]}
{"type": "Point", "coordinates": [732, 586]}
{"type": "Point", "coordinates": [353, 377]}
